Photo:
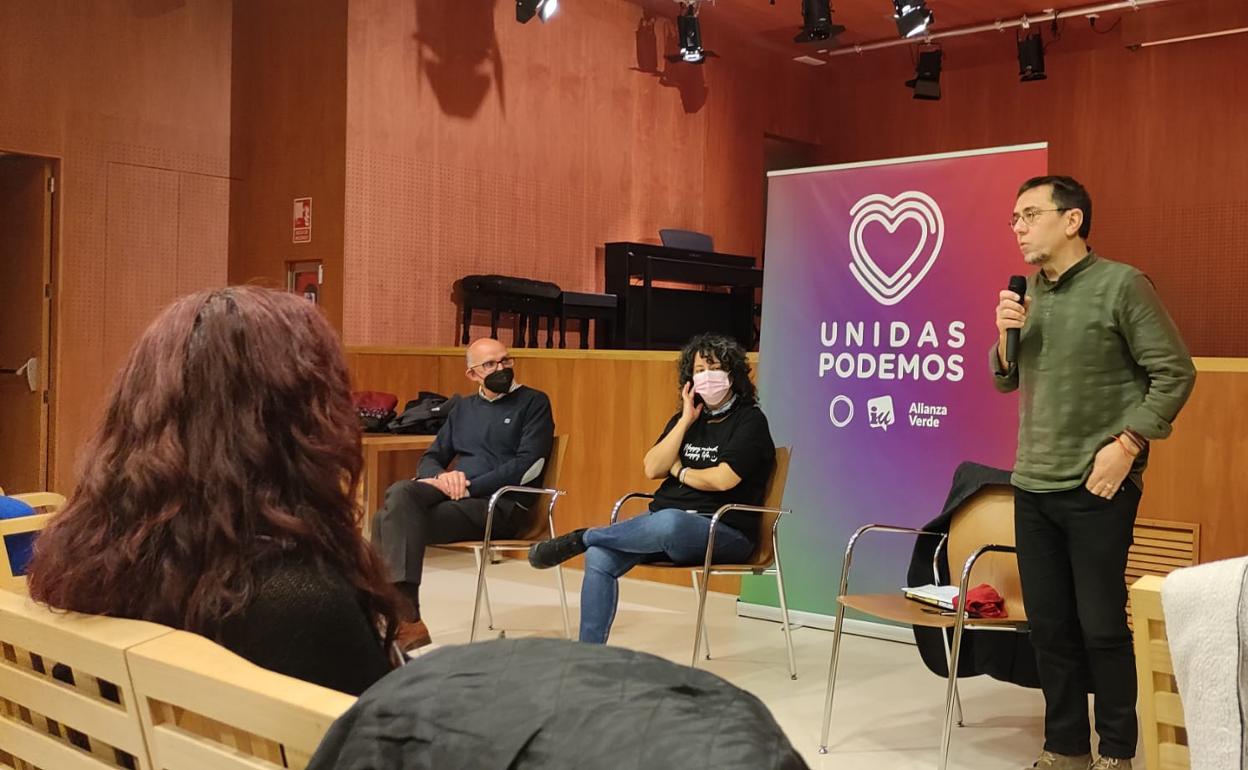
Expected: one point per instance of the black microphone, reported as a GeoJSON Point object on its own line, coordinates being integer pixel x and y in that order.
{"type": "Point", "coordinates": [1018, 285]}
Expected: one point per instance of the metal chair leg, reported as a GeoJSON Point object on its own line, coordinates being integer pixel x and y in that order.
{"type": "Point", "coordinates": [489, 608]}
{"type": "Point", "coordinates": [482, 593]}
{"type": "Point", "coordinates": [959, 624]}
{"type": "Point", "coordinates": [784, 605]}
{"type": "Point", "coordinates": [563, 603]}
{"type": "Point", "coordinates": [563, 591]}
{"type": "Point", "coordinates": [951, 695]}
{"type": "Point", "coordinates": [957, 698]}
{"type": "Point", "coordinates": [957, 701]}
{"type": "Point", "coordinates": [700, 628]}
{"type": "Point", "coordinates": [836, 655]}
{"type": "Point", "coordinates": [836, 642]}
{"type": "Point", "coordinates": [706, 636]}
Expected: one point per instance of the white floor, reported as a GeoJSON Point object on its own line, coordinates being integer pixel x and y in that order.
{"type": "Point", "coordinates": [888, 707]}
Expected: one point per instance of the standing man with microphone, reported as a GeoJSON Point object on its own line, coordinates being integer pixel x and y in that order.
{"type": "Point", "coordinates": [1101, 371]}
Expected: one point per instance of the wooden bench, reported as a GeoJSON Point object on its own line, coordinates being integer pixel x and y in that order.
{"type": "Point", "coordinates": [1161, 711]}
{"type": "Point", "coordinates": [67, 702]}
{"type": "Point", "coordinates": [202, 706]}
{"type": "Point", "coordinates": [84, 692]}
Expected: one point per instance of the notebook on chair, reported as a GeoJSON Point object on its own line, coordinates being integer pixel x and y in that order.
{"type": "Point", "coordinates": [934, 595]}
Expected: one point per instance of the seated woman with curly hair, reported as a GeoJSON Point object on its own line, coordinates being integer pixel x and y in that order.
{"type": "Point", "coordinates": [715, 451]}
{"type": "Point", "coordinates": [218, 495]}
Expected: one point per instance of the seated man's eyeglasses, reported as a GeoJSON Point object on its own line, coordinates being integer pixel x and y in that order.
{"type": "Point", "coordinates": [489, 367]}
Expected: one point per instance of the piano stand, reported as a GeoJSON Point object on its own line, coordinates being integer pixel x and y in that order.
{"type": "Point", "coordinates": [656, 317]}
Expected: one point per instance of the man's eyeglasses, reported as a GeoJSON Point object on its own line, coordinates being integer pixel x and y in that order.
{"type": "Point", "coordinates": [489, 367]}
{"type": "Point", "coordinates": [1029, 216]}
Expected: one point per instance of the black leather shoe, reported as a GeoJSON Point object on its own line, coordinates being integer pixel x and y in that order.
{"type": "Point", "coordinates": [557, 550]}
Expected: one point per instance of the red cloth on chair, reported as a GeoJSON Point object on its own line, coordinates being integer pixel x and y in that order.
{"type": "Point", "coordinates": [983, 601]}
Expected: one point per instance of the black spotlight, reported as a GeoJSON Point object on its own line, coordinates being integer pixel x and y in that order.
{"type": "Point", "coordinates": [926, 82]}
{"type": "Point", "coordinates": [912, 17]}
{"type": "Point", "coordinates": [817, 22]}
{"type": "Point", "coordinates": [1031, 58]}
{"type": "Point", "coordinates": [543, 9]}
{"type": "Point", "coordinates": [690, 32]}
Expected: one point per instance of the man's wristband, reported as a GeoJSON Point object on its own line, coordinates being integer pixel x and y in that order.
{"type": "Point", "coordinates": [1127, 446]}
{"type": "Point", "coordinates": [1136, 438]}
{"type": "Point", "coordinates": [681, 476]}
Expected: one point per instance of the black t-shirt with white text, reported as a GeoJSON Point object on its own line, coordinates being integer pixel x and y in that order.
{"type": "Point", "coordinates": [741, 438]}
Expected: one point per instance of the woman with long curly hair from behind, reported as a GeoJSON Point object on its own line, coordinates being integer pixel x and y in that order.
{"type": "Point", "coordinates": [218, 495]}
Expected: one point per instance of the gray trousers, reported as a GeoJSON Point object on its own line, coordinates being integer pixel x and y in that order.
{"type": "Point", "coordinates": [416, 515]}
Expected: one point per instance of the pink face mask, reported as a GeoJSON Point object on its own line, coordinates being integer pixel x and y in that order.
{"type": "Point", "coordinates": [712, 385]}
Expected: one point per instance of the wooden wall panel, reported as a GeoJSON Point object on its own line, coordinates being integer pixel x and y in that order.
{"type": "Point", "coordinates": [476, 144]}
{"type": "Point", "coordinates": [288, 140]}
{"type": "Point", "coordinates": [1155, 135]}
{"type": "Point", "coordinates": [203, 234]}
{"type": "Point", "coordinates": [133, 100]}
{"type": "Point", "coordinates": [1197, 475]}
{"type": "Point", "coordinates": [141, 231]}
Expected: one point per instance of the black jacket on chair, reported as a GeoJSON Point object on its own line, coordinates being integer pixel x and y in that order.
{"type": "Point", "coordinates": [1001, 655]}
{"type": "Point", "coordinates": [545, 703]}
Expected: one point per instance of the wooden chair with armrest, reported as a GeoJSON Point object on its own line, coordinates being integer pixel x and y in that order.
{"type": "Point", "coordinates": [540, 527]}
{"type": "Point", "coordinates": [47, 502]}
{"type": "Point", "coordinates": [980, 543]}
{"type": "Point", "coordinates": [765, 560]}
{"type": "Point", "coordinates": [1163, 730]}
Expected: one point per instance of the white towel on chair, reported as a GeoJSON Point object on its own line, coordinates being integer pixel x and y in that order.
{"type": "Point", "coordinates": [1202, 606]}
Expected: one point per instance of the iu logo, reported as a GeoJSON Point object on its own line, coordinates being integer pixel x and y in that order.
{"type": "Point", "coordinates": [891, 288]}
{"type": "Point", "coordinates": [880, 413]}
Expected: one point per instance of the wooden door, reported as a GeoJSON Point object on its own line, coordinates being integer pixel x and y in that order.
{"type": "Point", "coordinates": [25, 320]}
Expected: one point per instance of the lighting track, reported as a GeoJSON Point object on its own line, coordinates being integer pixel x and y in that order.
{"type": "Point", "coordinates": [998, 26]}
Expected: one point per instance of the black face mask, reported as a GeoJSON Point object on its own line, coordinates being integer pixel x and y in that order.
{"type": "Point", "coordinates": [499, 380]}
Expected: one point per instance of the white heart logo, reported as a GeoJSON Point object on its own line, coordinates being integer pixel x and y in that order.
{"type": "Point", "coordinates": [891, 212]}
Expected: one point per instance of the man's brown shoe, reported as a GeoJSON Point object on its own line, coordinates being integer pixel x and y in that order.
{"type": "Point", "coordinates": [1050, 761]}
{"type": "Point", "coordinates": [412, 636]}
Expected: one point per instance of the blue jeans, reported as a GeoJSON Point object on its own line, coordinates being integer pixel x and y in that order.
{"type": "Point", "coordinates": [667, 535]}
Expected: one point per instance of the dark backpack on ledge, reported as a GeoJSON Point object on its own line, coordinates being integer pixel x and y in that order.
{"type": "Point", "coordinates": [425, 414]}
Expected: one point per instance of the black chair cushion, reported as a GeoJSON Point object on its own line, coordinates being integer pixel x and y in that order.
{"type": "Point", "coordinates": [506, 284]}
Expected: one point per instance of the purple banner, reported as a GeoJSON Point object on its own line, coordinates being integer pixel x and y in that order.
{"type": "Point", "coordinates": [880, 284]}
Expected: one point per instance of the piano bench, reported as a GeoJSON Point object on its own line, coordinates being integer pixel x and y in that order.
{"type": "Point", "coordinates": [585, 307]}
{"type": "Point", "coordinates": [529, 299]}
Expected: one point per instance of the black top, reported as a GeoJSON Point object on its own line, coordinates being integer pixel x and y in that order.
{"type": "Point", "coordinates": [739, 437]}
{"type": "Point", "coordinates": [309, 623]}
{"type": "Point", "coordinates": [493, 442]}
